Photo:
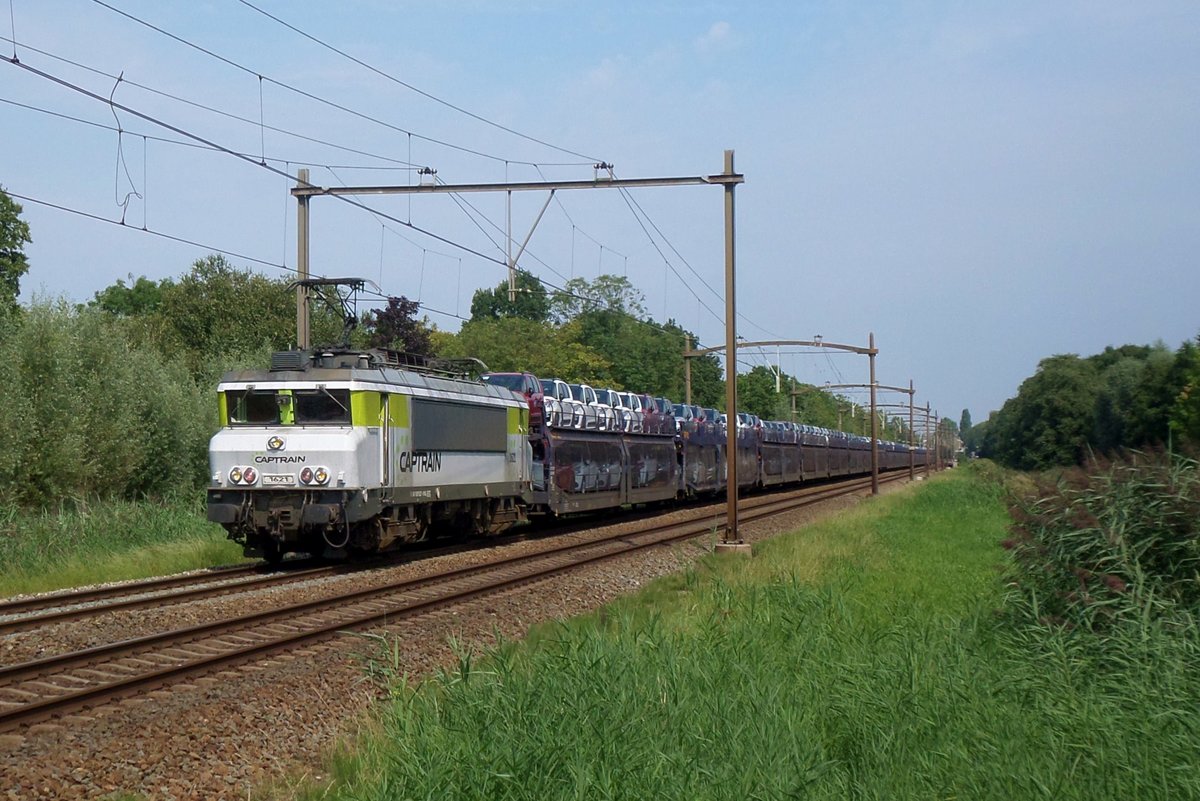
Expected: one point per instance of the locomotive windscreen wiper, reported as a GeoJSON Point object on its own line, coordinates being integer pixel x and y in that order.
{"type": "Point", "coordinates": [332, 398]}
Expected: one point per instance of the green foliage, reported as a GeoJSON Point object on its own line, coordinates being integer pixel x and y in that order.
{"type": "Point", "coordinates": [14, 235]}
{"type": "Point", "coordinates": [509, 344]}
{"type": "Point", "coordinates": [757, 395]}
{"type": "Point", "coordinates": [84, 412]}
{"type": "Point", "coordinates": [140, 298]}
{"type": "Point", "coordinates": [220, 310]}
{"type": "Point", "coordinates": [964, 423]}
{"type": "Point", "coordinates": [612, 293]}
{"type": "Point", "coordinates": [1184, 410]}
{"type": "Point", "coordinates": [531, 301]}
{"type": "Point", "coordinates": [1109, 546]}
{"type": "Point", "coordinates": [855, 659]}
{"type": "Point", "coordinates": [597, 337]}
{"type": "Point", "coordinates": [1127, 397]}
{"type": "Point", "coordinates": [1051, 419]}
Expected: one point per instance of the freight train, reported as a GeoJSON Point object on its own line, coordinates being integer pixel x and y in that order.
{"type": "Point", "coordinates": [342, 451]}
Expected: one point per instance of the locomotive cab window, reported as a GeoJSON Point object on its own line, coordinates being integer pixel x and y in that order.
{"type": "Point", "coordinates": [253, 407]}
{"type": "Point", "coordinates": [265, 407]}
{"type": "Point", "coordinates": [322, 406]}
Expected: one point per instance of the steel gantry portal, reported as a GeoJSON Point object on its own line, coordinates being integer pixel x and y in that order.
{"type": "Point", "coordinates": [874, 407]}
{"type": "Point", "coordinates": [730, 377]}
{"type": "Point", "coordinates": [604, 179]}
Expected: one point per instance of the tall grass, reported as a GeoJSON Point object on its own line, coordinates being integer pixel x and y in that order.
{"type": "Point", "coordinates": [87, 543]}
{"type": "Point", "coordinates": [1110, 546]}
{"type": "Point", "coordinates": [861, 658]}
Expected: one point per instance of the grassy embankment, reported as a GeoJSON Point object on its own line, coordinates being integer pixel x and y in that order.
{"type": "Point", "coordinates": [106, 541]}
{"type": "Point", "coordinates": [860, 658]}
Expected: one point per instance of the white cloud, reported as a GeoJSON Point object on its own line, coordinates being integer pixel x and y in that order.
{"type": "Point", "coordinates": [718, 37]}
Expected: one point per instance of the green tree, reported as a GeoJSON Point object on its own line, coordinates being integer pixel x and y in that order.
{"type": "Point", "coordinates": [757, 395]}
{"type": "Point", "coordinates": [531, 301]}
{"type": "Point", "coordinates": [85, 411]}
{"type": "Point", "coordinates": [1185, 401]}
{"type": "Point", "coordinates": [964, 422]}
{"type": "Point", "coordinates": [516, 344]}
{"type": "Point", "coordinates": [613, 293]}
{"type": "Point", "coordinates": [14, 235]}
{"type": "Point", "coordinates": [218, 311]}
{"type": "Point", "coordinates": [815, 407]}
{"type": "Point", "coordinates": [141, 297]}
{"type": "Point", "coordinates": [973, 440]}
{"type": "Point", "coordinates": [708, 379]}
{"type": "Point", "coordinates": [1051, 420]}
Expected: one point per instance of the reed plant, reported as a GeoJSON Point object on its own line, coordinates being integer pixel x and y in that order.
{"type": "Point", "coordinates": [1109, 546]}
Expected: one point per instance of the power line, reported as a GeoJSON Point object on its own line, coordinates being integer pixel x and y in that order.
{"type": "Point", "coordinates": [193, 145]}
{"type": "Point", "coordinates": [262, 165]}
{"type": "Point", "coordinates": [562, 207]}
{"type": "Point", "coordinates": [461, 201]}
{"type": "Point", "coordinates": [667, 262]}
{"type": "Point", "coordinates": [717, 295]}
{"type": "Point", "coordinates": [193, 243]}
{"type": "Point", "coordinates": [213, 110]}
{"type": "Point", "coordinates": [317, 98]}
{"type": "Point", "coordinates": [421, 92]}
{"type": "Point", "coordinates": [145, 230]}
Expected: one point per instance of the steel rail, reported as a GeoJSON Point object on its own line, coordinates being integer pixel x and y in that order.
{"type": "Point", "coordinates": [68, 597]}
{"type": "Point", "coordinates": [190, 593]}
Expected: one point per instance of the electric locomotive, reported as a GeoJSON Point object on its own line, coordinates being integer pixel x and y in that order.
{"type": "Point", "coordinates": [338, 451]}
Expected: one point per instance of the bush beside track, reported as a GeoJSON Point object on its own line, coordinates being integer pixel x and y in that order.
{"type": "Point", "coordinates": [861, 657]}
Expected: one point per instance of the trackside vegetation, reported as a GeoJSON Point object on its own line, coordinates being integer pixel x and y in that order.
{"type": "Point", "coordinates": [89, 543]}
{"type": "Point", "coordinates": [870, 657]}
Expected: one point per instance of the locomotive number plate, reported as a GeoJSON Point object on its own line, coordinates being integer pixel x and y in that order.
{"type": "Point", "coordinates": [277, 479]}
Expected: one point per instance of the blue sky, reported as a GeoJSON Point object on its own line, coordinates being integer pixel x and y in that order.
{"type": "Point", "coordinates": [979, 184]}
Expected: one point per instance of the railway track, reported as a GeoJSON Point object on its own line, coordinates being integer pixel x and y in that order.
{"type": "Point", "coordinates": [63, 598]}
{"type": "Point", "coordinates": [71, 605]}
{"type": "Point", "coordinates": [40, 689]}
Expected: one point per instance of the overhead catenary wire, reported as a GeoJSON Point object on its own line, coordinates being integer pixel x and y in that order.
{"type": "Point", "coordinates": [719, 296]}
{"type": "Point", "coordinates": [423, 93]}
{"type": "Point", "coordinates": [197, 146]}
{"type": "Point", "coordinates": [261, 159]}
{"type": "Point", "coordinates": [251, 160]}
{"type": "Point", "coordinates": [464, 204]}
{"type": "Point", "coordinates": [304, 93]}
{"type": "Point", "coordinates": [668, 264]}
{"type": "Point", "coordinates": [197, 244]}
{"type": "Point", "coordinates": [228, 151]}
{"type": "Point", "coordinates": [221, 112]}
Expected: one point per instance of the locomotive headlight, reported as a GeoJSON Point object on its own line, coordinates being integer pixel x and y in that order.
{"type": "Point", "coordinates": [235, 475]}
{"type": "Point", "coordinates": [249, 475]}
{"type": "Point", "coordinates": [321, 475]}
{"type": "Point", "coordinates": [306, 475]}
